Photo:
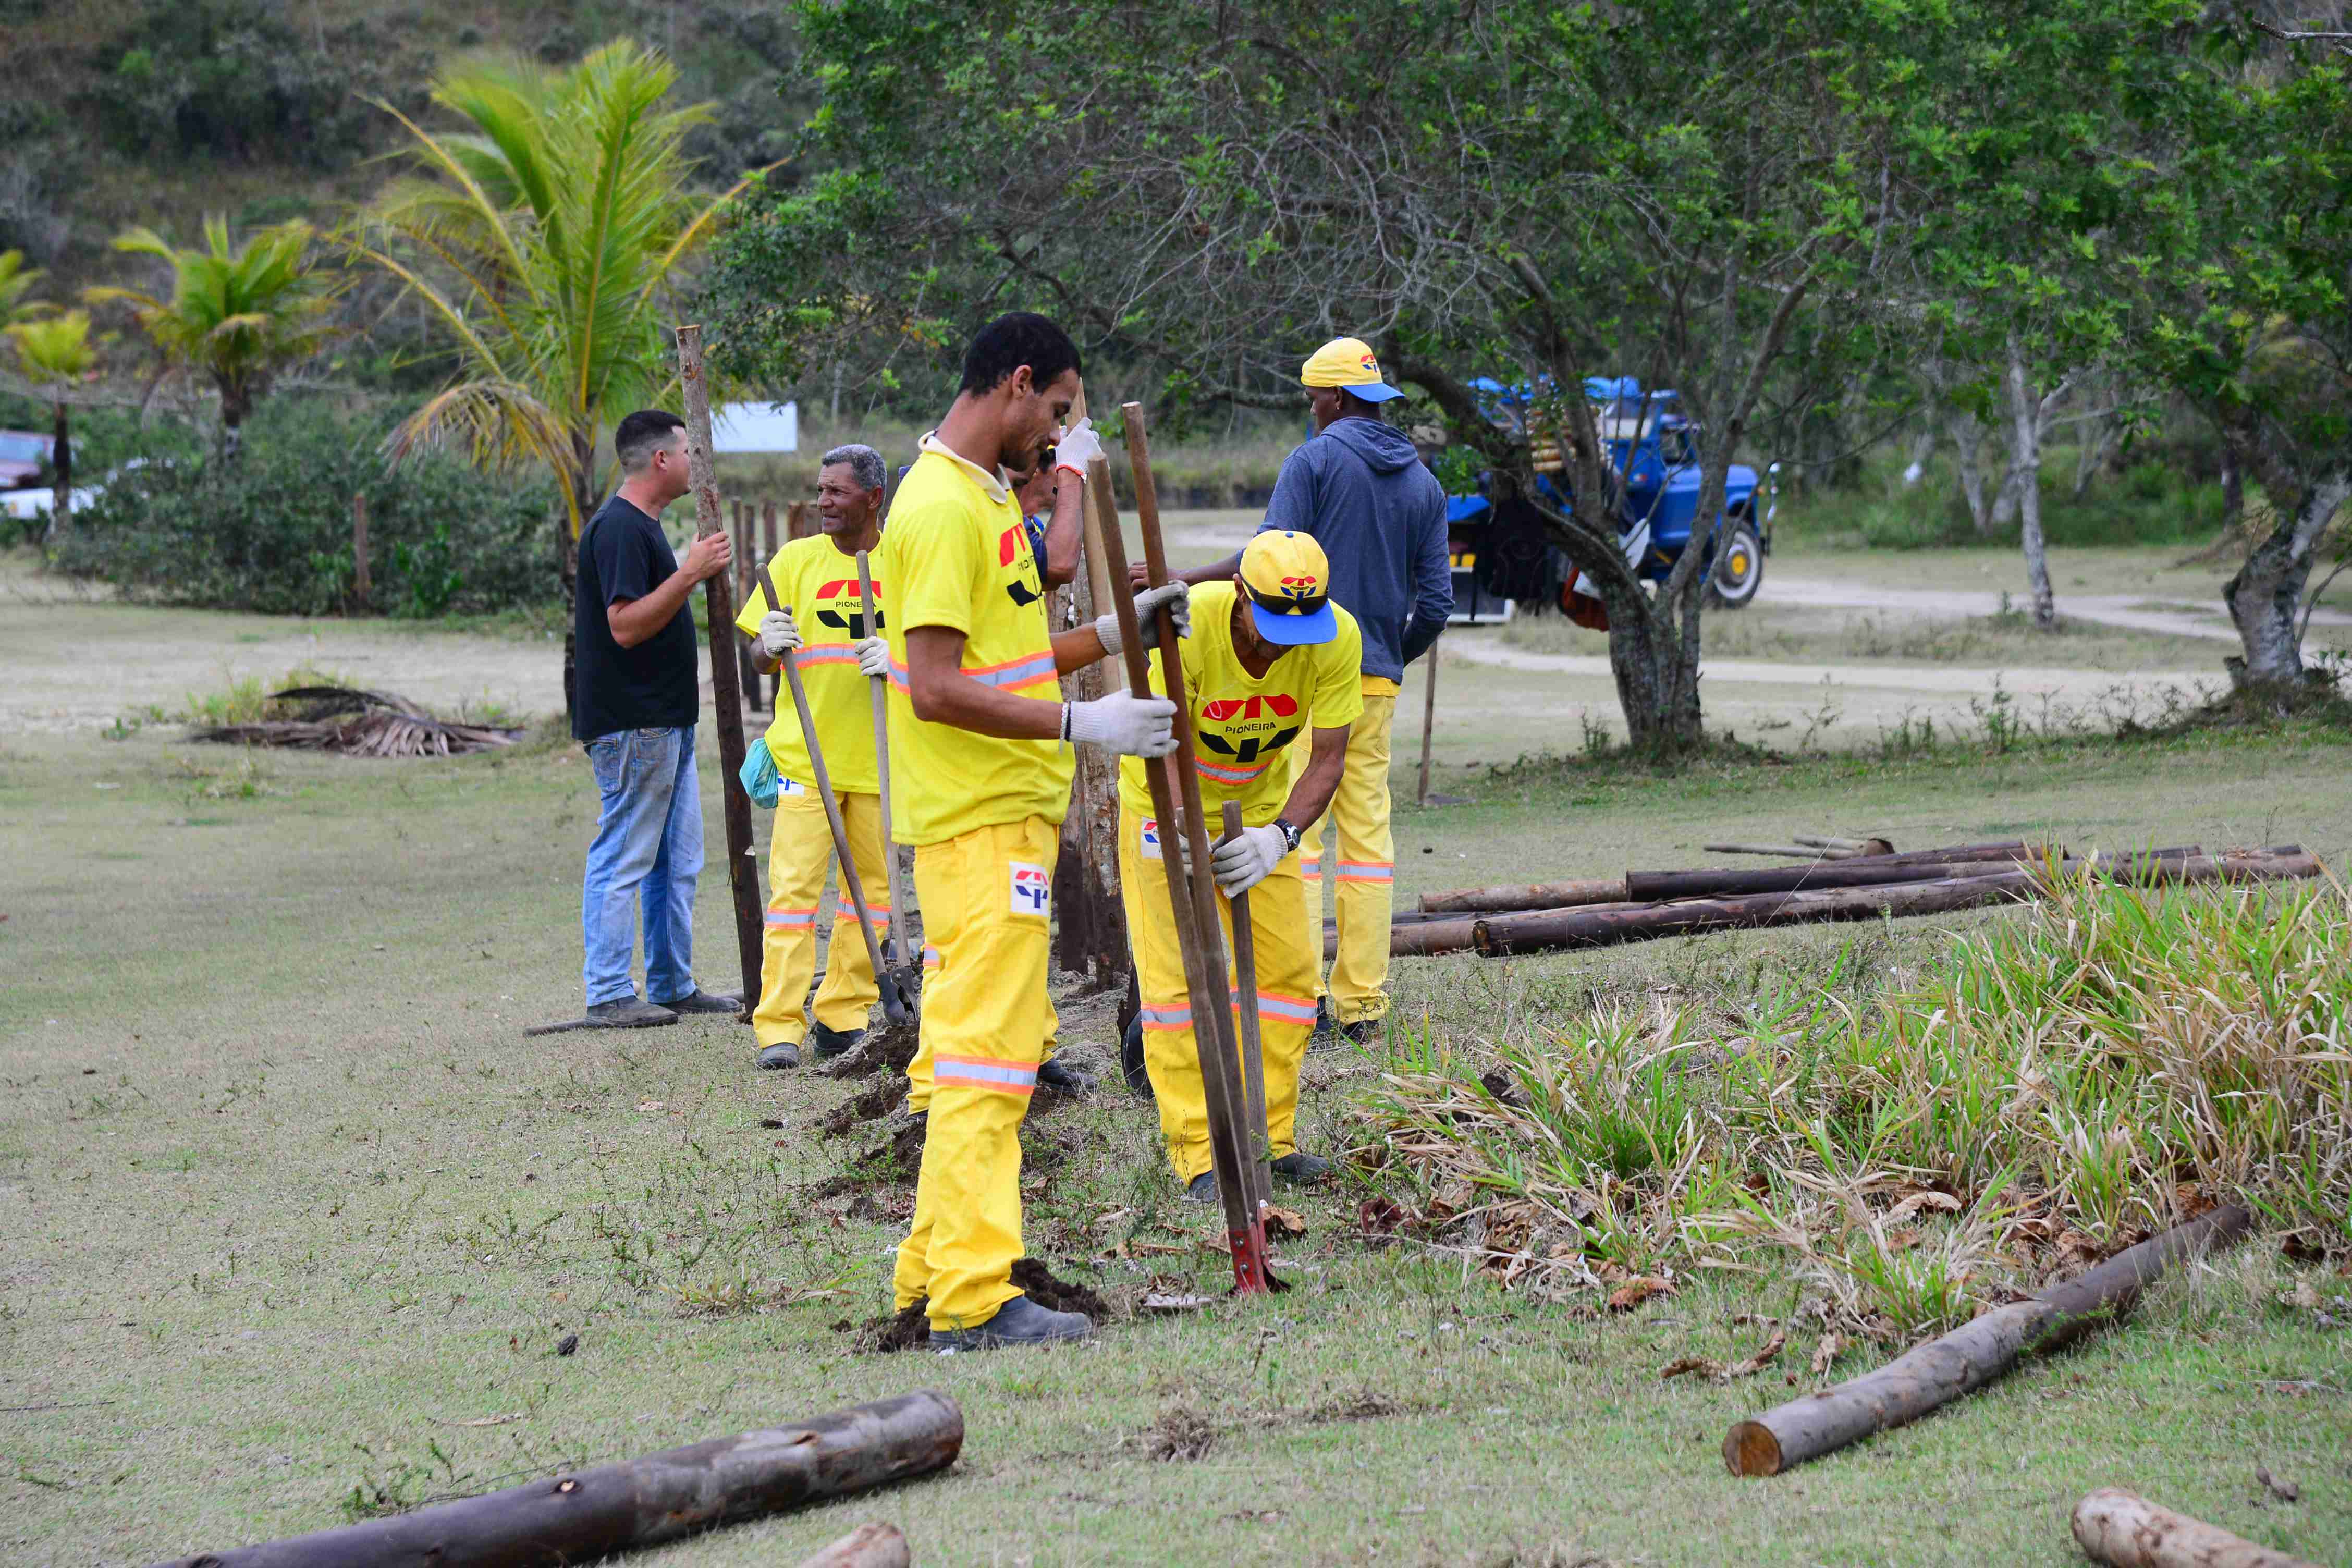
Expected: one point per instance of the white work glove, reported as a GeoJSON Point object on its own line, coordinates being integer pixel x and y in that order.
{"type": "Point", "coordinates": [1243, 862]}
{"type": "Point", "coordinates": [1176, 597]}
{"type": "Point", "coordinates": [873, 657]}
{"type": "Point", "coordinates": [1076, 447]}
{"type": "Point", "coordinates": [1123, 722]}
{"type": "Point", "coordinates": [778, 635]}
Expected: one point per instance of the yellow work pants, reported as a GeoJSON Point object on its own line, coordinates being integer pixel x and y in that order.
{"type": "Point", "coordinates": [1286, 996]}
{"type": "Point", "coordinates": [986, 897]}
{"type": "Point", "coordinates": [800, 852]}
{"type": "Point", "coordinates": [1367, 868]}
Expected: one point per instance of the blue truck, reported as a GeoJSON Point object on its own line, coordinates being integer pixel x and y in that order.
{"type": "Point", "coordinates": [1504, 556]}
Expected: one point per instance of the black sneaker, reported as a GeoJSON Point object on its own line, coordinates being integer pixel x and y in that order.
{"type": "Point", "coordinates": [700, 1001]}
{"type": "Point", "coordinates": [831, 1043]}
{"type": "Point", "coordinates": [1201, 1189]}
{"type": "Point", "coordinates": [1053, 1074]}
{"type": "Point", "coordinates": [782, 1054]}
{"type": "Point", "coordinates": [629, 1012]}
{"type": "Point", "coordinates": [1362, 1032]}
{"type": "Point", "coordinates": [1020, 1321]}
{"type": "Point", "coordinates": [1301, 1169]}
{"type": "Point", "coordinates": [1131, 1062]}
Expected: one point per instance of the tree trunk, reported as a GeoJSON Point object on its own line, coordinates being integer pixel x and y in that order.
{"type": "Point", "coordinates": [2123, 1531]}
{"type": "Point", "coordinates": [1968, 436]}
{"type": "Point", "coordinates": [1942, 1370]}
{"type": "Point", "coordinates": [2265, 597]}
{"type": "Point", "coordinates": [2025, 416]}
{"type": "Point", "coordinates": [570, 521]}
{"type": "Point", "coordinates": [61, 466]}
{"type": "Point", "coordinates": [1525, 896]}
{"type": "Point", "coordinates": [2233, 485]}
{"type": "Point", "coordinates": [586, 1516]}
{"type": "Point", "coordinates": [1923, 446]}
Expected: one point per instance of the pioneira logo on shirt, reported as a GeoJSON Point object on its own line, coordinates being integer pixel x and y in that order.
{"type": "Point", "coordinates": [1032, 890]}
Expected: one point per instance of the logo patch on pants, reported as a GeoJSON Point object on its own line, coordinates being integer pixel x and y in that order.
{"type": "Point", "coordinates": [1148, 838]}
{"type": "Point", "coordinates": [1032, 890]}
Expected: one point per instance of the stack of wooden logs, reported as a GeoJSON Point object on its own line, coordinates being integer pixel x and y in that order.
{"type": "Point", "coordinates": [1643, 905]}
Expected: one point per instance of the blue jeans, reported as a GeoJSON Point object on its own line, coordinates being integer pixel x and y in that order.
{"type": "Point", "coordinates": [647, 851]}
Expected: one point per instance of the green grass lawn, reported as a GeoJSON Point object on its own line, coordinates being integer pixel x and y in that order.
{"type": "Point", "coordinates": [292, 1211]}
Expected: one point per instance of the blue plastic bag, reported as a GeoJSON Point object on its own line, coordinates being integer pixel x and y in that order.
{"type": "Point", "coordinates": [761, 780]}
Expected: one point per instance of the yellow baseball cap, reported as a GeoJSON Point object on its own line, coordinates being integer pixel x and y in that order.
{"type": "Point", "coordinates": [1348, 363]}
{"type": "Point", "coordinates": [1289, 582]}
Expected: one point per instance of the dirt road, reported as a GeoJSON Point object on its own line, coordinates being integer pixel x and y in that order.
{"type": "Point", "coordinates": [2132, 611]}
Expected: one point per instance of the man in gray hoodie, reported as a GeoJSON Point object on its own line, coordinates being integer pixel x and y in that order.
{"type": "Point", "coordinates": [1362, 491]}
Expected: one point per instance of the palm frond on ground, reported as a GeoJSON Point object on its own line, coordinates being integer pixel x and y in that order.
{"type": "Point", "coordinates": [358, 724]}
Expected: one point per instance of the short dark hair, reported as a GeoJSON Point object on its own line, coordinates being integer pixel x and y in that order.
{"type": "Point", "coordinates": [642, 435]}
{"type": "Point", "coordinates": [1011, 340]}
{"type": "Point", "coordinates": [865, 463]}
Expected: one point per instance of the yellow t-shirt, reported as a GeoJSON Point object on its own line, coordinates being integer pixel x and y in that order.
{"type": "Point", "coordinates": [819, 585]}
{"type": "Point", "coordinates": [955, 554]}
{"type": "Point", "coordinates": [1243, 725]}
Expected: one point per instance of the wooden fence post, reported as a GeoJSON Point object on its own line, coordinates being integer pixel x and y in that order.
{"type": "Point", "coordinates": [362, 582]}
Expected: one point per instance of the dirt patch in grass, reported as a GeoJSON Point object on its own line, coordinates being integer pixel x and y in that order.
{"type": "Point", "coordinates": [867, 1105]}
{"type": "Point", "coordinates": [1183, 1433]}
{"type": "Point", "coordinates": [909, 1328]}
{"type": "Point", "coordinates": [1040, 1284]}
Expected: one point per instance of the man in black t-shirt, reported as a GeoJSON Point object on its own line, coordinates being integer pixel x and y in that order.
{"type": "Point", "coordinates": [635, 707]}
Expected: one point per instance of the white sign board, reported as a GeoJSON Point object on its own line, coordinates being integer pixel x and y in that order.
{"type": "Point", "coordinates": [755, 427]}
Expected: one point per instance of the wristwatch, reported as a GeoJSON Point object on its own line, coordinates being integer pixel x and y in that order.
{"type": "Point", "coordinates": [1290, 835]}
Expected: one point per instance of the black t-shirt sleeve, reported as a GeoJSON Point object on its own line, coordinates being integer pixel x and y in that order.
{"type": "Point", "coordinates": [626, 567]}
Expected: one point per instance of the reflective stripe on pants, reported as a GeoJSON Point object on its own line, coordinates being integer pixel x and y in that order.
{"type": "Point", "coordinates": [984, 1032]}
{"type": "Point", "coordinates": [1365, 863]}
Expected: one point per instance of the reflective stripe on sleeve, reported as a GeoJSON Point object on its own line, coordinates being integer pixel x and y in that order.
{"type": "Point", "coordinates": [931, 959]}
{"type": "Point", "coordinates": [986, 1072]}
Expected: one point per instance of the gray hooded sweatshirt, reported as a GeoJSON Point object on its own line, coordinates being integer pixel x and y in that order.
{"type": "Point", "coordinates": [1362, 491]}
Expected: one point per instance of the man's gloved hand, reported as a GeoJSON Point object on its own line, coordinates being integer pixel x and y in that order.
{"type": "Point", "coordinates": [1176, 597]}
{"type": "Point", "coordinates": [873, 657]}
{"type": "Point", "coordinates": [1123, 722]}
{"type": "Point", "coordinates": [1076, 447]}
{"type": "Point", "coordinates": [778, 635]}
{"type": "Point", "coordinates": [1243, 862]}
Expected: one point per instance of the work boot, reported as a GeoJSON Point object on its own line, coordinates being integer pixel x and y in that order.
{"type": "Point", "coordinates": [700, 1001]}
{"type": "Point", "coordinates": [1020, 1321]}
{"type": "Point", "coordinates": [1131, 1062]}
{"type": "Point", "coordinates": [1362, 1032]}
{"type": "Point", "coordinates": [782, 1054]}
{"type": "Point", "coordinates": [1201, 1189]}
{"type": "Point", "coordinates": [1302, 1169]}
{"type": "Point", "coordinates": [830, 1042]}
{"type": "Point", "coordinates": [1053, 1075]}
{"type": "Point", "coordinates": [630, 1012]}
{"type": "Point", "coordinates": [1327, 1026]}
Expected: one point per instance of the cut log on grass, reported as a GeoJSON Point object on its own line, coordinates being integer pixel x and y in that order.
{"type": "Point", "coordinates": [876, 1545]}
{"type": "Point", "coordinates": [1967, 1358]}
{"type": "Point", "coordinates": [1657, 886]}
{"type": "Point", "coordinates": [591, 1514]}
{"type": "Point", "coordinates": [1524, 896]}
{"type": "Point", "coordinates": [2123, 1531]}
{"type": "Point", "coordinates": [1500, 936]}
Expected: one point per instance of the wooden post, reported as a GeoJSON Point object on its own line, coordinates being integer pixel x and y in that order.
{"type": "Point", "coordinates": [363, 582]}
{"type": "Point", "coordinates": [1252, 1043]}
{"type": "Point", "coordinates": [1428, 718]}
{"type": "Point", "coordinates": [726, 689]}
{"type": "Point", "coordinates": [796, 523]}
{"type": "Point", "coordinates": [586, 1516]}
{"type": "Point", "coordinates": [1089, 917]}
{"type": "Point", "coordinates": [767, 529]}
{"type": "Point", "coordinates": [747, 668]}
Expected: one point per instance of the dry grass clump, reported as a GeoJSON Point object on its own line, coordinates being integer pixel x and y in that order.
{"type": "Point", "coordinates": [2061, 1084]}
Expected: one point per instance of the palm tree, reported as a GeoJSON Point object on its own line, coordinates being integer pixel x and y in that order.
{"type": "Point", "coordinates": [237, 315]}
{"type": "Point", "coordinates": [56, 352]}
{"type": "Point", "coordinates": [13, 282]}
{"type": "Point", "coordinates": [546, 237]}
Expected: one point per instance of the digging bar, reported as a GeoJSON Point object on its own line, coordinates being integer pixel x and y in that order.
{"type": "Point", "coordinates": [1252, 1056]}
{"type": "Point", "coordinates": [894, 1006]}
{"type": "Point", "coordinates": [1205, 988]}
{"type": "Point", "coordinates": [906, 972]}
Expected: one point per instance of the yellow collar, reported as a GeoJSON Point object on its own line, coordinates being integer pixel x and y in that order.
{"type": "Point", "coordinates": [979, 476]}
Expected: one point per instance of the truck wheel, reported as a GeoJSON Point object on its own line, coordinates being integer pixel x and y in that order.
{"type": "Point", "coordinates": [1738, 566]}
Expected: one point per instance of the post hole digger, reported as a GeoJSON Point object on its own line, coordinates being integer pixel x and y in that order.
{"type": "Point", "coordinates": [1175, 795]}
{"type": "Point", "coordinates": [896, 1007]}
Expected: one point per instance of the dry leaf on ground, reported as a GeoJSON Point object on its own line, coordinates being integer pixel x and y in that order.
{"type": "Point", "coordinates": [1633, 1292]}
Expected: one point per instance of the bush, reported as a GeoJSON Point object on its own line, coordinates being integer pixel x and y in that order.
{"type": "Point", "coordinates": [271, 531]}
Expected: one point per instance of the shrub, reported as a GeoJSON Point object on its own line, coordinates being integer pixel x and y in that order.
{"type": "Point", "coordinates": [271, 531]}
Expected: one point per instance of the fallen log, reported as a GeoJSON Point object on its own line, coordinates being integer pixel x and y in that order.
{"type": "Point", "coordinates": [1524, 896]}
{"type": "Point", "coordinates": [1942, 1370]}
{"type": "Point", "coordinates": [876, 1545]}
{"type": "Point", "coordinates": [2121, 1530]}
{"type": "Point", "coordinates": [1498, 936]}
{"type": "Point", "coordinates": [1657, 886]}
{"type": "Point", "coordinates": [591, 1514]}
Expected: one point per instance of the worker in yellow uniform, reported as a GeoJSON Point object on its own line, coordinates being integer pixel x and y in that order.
{"type": "Point", "coordinates": [979, 778]}
{"type": "Point", "coordinates": [817, 579]}
{"type": "Point", "coordinates": [1271, 661]}
{"type": "Point", "coordinates": [1362, 491]}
